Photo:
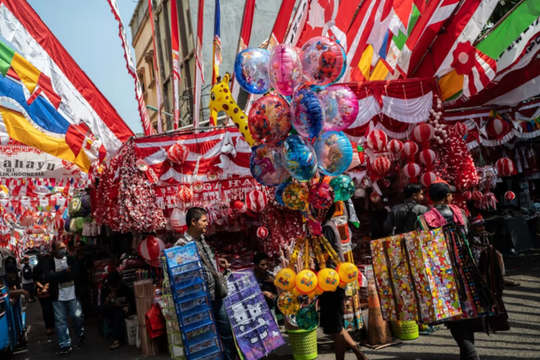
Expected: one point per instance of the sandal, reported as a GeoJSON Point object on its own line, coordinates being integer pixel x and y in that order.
{"type": "Point", "coordinates": [115, 345]}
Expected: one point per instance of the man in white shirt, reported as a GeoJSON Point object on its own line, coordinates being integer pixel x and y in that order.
{"type": "Point", "coordinates": [27, 278]}
{"type": "Point", "coordinates": [60, 272]}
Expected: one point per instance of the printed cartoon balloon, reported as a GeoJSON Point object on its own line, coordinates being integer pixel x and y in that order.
{"type": "Point", "coordinates": [306, 281]}
{"type": "Point", "coordinates": [269, 119]}
{"type": "Point", "coordinates": [340, 107]}
{"type": "Point", "coordinates": [279, 192]}
{"type": "Point", "coordinates": [285, 69]}
{"type": "Point", "coordinates": [322, 61]}
{"type": "Point", "coordinates": [285, 279]}
{"type": "Point", "coordinates": [266, 165]}
{"type": "Point", "coordinates": [306, 113]}
{"type": "Point", "coordinates": [251, 70]}
{"type": "Point", "coordinates": [299, 158]}
{"type": "Point", "coordinates": [348, 272]}
{"type": "Point", "coordinates": [343, 187]}
{"type": "Point", "coordinates": [334, 152]}
{"type": "Point", "coordinates": [288, 303]}
{"type": "Point", "coordinates": [321, 195]}
{"type": "Point", "coordinates": [328, 279]}
{"type": "Point", "coordinates": [296, 197]}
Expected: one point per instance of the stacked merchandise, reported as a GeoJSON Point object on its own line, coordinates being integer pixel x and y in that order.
{"type": "Point", "coordinates": [429, 277]}
{"type": "Point", "coordinates": [192, 303]}
{"type": "Point", "coordinates": [144, 297]}
{"type": "Point", "coordinates": [174, 336]}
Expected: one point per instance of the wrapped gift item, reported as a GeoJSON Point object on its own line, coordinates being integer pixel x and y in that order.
{"type": "Point", "coordinates": [415, 278]}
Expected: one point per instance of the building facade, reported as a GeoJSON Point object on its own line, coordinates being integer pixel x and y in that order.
{"type": "Point", "coordinates": [231, 19]}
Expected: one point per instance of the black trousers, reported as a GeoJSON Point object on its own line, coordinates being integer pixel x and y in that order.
{"type": "Point", "coordinates": [116, 316]}
{"type": "Point", "coordinates": [463, 334]}
{"type": "Point", "coordinates": [30, 288]}
{"type": "Point", "coordinates": [48, 312]}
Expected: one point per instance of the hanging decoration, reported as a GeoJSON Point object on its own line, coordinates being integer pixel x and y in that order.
{"type": "Point", "coordinates": [262, 232]}
{"type": "Point", "coordinates": [381, 165]}
{"type": "Point", "coordinates": [509, 195]}
{"type": "Point", "coordinates": [395, 146]}
{"type": "Point", "coordinates": [178, 153]}
{"type": "Point", "coordinates": [410, 149]}
{"type": "Point", "coordinates": [377, 140]}
{"type": "Point", "coordinates": [505, 167]}
{"type": "Point", "coordinates": [412, 170]}
{"type": "Point", "coordinates": [428, 178]}
{"type": "Point", "coordinates": [256, 200]}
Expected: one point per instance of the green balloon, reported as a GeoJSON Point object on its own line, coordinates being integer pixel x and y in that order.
{"type": "Point", "coordinates": [307, 318]}
{"type": "Point", "coordinates": [343, 187]}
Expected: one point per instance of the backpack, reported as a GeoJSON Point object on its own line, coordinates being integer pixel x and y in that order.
{"type": "Point", "coordinates": [27, 272]}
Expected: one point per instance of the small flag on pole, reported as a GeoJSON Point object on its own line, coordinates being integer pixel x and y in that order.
{"type": "Point", "coordinates": [216, 61]}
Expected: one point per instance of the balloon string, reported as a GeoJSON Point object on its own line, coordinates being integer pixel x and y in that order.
{"type": "Point", "coordinates": [318, 252]}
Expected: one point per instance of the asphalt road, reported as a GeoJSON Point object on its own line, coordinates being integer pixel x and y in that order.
{"type": "Point", "coordinates": [521, 342]}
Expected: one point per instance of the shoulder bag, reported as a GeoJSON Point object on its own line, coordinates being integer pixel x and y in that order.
{"type": "Point", "coordinates": [221, 288]}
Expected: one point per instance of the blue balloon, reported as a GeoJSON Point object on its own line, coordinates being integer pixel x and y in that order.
{"type": "Point", "coordinates": [251, 70]}
{"type": "Point", "coordinates": [279, 193]}
{"type": "Point", "coordinates": [299, 158]}
{"type": "Point", "coordinates": [334, 152]}
{"type": "Point", "coordinates": [307, 114]}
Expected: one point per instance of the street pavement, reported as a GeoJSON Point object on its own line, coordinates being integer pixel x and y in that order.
{"type": "Point", "coordinates": [521, 342]}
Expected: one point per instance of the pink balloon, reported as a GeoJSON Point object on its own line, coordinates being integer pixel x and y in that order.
{"type": "Point", "coordinates": [285, 69]}
{"type": "Point", "coordinates": [340, 107]}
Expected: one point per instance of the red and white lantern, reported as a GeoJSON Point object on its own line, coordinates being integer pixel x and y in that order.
{"type": "Point", "coordinates": [427, 156]}
{"type": "Point", "coordinates": [262, 232]}
{"type": "Point", "coordinates": [239, 207]}
{"type": "Point", "coordinates": [509, 195]}
{"type": "Point", "coordinates": [178, 153]}
{"type": "Point", "coordinates": [477, 195]}
{"type": "Point", "coordinates": [256, 200]}
{"type": "Point", "coordinates": [395, 146]}
{"type": "Point", "coordinates": [423, 133]}
{"type": "Point", "coordinates": [505, 167]}
{"type": "Point", "coordinates": [185, 194]}
{"type": "Point", "coordinates": [467, 195]}
{"type": "Point", "coordinates": [381, 165]}
{"type": "Point", "coordinates": [374, 197]}
{"type": "Point", "coordinates": [377, 140]}
{"type": "Point", "coordinates": [411, 170]}
{"type": "Point", "coordinates": [497, 128]}
{"type": "Point", "coordinates": [428, 178]}
{"type": "Point", "coordinates": [151, 247]}
{"type": "Point", "coordinates": [410, 148]}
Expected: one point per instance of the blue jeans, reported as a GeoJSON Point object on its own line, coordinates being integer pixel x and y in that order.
{"type": "Point", "coordinates": [74, 310]}
{"type": "Point", "coordinates": [224, 328]}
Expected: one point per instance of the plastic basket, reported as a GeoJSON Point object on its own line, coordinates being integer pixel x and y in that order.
{"type": "Point", "coordinates": [405, 330]}
{"type": "Point", "coordinates": [303, 344]}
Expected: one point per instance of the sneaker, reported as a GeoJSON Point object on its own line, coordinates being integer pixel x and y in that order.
{"type": "Point", "coordinates": [64, 350]}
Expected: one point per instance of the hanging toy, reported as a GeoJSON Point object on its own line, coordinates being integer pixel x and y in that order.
{"type": "Point", "coordinates": [348, 272]}
{"type": "Point", "coordinates": [288, 303]}
{"type": "Point", "coordinates": [306, 281]}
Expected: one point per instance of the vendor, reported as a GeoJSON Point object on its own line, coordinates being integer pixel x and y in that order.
{"type": "Point", "coordinates": [265, 278]}
{"type": "Point", "coordinates": [332, 302]}
{"type": "Point", "coordinates": [404, 217]}
{"type": "Point", "coordinates": [197, 221]}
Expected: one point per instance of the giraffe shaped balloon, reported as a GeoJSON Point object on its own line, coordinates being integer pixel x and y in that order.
{"type": "Point", "coordinates": [222, 100]}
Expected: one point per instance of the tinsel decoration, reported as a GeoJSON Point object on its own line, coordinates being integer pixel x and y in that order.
{"type": "Point", "coordinates": [134, 208]}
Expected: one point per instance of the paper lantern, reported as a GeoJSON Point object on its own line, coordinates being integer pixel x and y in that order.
{"type": "Point", "coordinates": [348, 272]}
{"type": "Point", "coordinates": [306, 281]}
{"type": "Point", "coordinates": [505, 167]}
{"type": "Point", "coordinates": [343, 187]}
{"type": "Point", "coordinates": [239, 206]}
{"type": "Point", "coordinates": [328, 279]}
{"type": "Point", "coordinates": [428, 178]}
{"type": "Point", "coordinates": [509, 195]}
{"type": "Point", "coordinates": [423, 133]}
{"type": "Point", "coordinates": [321, 196]}
{"type": "Point", "coordinates": [256, 200]}
{"type": "Point", "coordinates": [427, 156]}
{"type": "Point", "coordinates": [377, 140]}
{"type": "Point", "coordinates": [395, 146]}
{"type": "Point", "coordinates": [477, 195]}
{"type": "Point", "coordinates": [285, 279]}
{"type": "Point", "coordinates": [251, 70]}
{"type": "Point", "coordinates": [178, 153]}
{"type": "Point", "coordinates": [411, 170]}
{"type": "Point", "coordinates": [497, 128]}
{"type": "Point", "coordinates": [375, 197]}
{"type": "Point", "coordinates": [381, 165]}
{"type": "Point", "coordinates": [262, 232]}
{"type": "Point", "coordinates": [410, 148]}
{"type": "Point", "coordinates": [461, 129]}
{"type": "Point", "coordinates": [288, 303]}
{"type": "Point", "coordinates": [340, 107]}
{"type": "Point", "coordinates": [151, 247]}
{"type": "Point", "coordinates": [467, 195]}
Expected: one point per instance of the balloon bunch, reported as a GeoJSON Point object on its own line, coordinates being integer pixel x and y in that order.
{"type": "Point", "coordinates": [297, 125]}
{"type": "Point", "coordinates": [307, 282]}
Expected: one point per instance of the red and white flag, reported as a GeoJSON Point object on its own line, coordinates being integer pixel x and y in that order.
{"type": "Point", "coordinates": [281, 24]}
{"type": "Point", "coordinates": [145, 120]}
{"type": "Point", "coordinates": [199, 66]}
{"type": "Point", "coordinates": [175, 48]}
{"type": "Point", "coordinates": [465, 25]}
{"type": "Point", "coordinates": [243, 41]}
{"type": "Point", "coordinates": [156, 70]}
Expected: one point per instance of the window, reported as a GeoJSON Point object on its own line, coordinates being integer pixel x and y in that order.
{"type": "Point", "coordinates": [140, 75]}
{"type": "Point", "coordinates": [149, 58]}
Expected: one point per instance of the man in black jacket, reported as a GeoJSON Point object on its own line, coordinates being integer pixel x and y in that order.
{"type": "Point", "coordinates": [404, 217]}
{"type": "Point", "coordinates": [61, 271]}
